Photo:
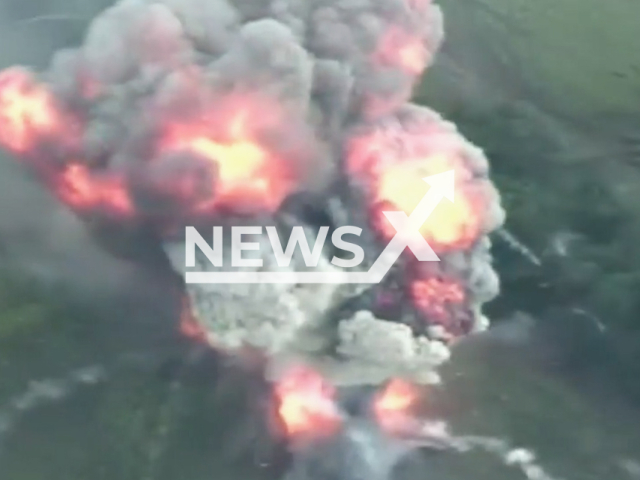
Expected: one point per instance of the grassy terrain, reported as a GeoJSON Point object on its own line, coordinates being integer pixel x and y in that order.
{"type": "Point", "coordinates": [509, 59]}
{"type": "Point", "coordinates": [581, 55]}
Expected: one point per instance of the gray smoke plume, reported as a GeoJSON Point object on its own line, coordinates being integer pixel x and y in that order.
{"type": "Point", "coordinates": [325, 63]}
{"type": "Point", "coordinates": [176, 112]}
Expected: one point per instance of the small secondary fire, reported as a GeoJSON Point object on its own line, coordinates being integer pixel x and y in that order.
{"type": "Point", "coordinates": [359, 433]}
{"type": "Point", "coordinates": [285, 112]}
{"type": "Point", "coordinates": [350, 434]}
{"type": "Point", "coordinates": [305, 404]}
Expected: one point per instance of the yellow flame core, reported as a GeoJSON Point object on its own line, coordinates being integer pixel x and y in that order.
{"type": "Point", "coordinates": [401, 185]}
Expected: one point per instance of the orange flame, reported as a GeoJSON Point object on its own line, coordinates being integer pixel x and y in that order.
{"type": "Point", "coordinates": [401, 187]}
{"type": "Point", "coordinates": [84, 191]}
{"type": "Point", "coordinates": [28, 112]}
{"type": "Point", "coordinates": [394, 180]}
{"type": "Point", "coordinates": [433, 296]}
{"type": "Point", "coordinates": [398, 396]}
{"type": "Point", "coordinates": [248, 173]}
{"type": "Point", "coordinates": [394, 404]}
{"type": "Point", "coordinates": [305, 404]}
{"type": "Point", "coordinates": [250, 176]}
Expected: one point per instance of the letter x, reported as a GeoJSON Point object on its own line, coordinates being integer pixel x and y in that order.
{"type": "Point", "coordinates": [408, 232]}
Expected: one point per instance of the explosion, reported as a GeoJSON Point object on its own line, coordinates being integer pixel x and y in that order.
{"type": "Point", "coordinates": [89, 193]}
{"type": "Point", "coordinates": [397, 396]}
{"type": "Point", "coordinates": [205, 112]}
{"type": "Point", "coordinates": [208, 159]}
{"type": "Point", "coordinates": [433, 297]}
{"type": "Point", "coordinates": [393, 406]}
{"type": "Point", "coordinates": [247, 172]}
{"type": "Point", "coordinates": [391, 159]}
{"type": "Point", "coordinates": [29, 113]}
{"type": "Point", "coordinates": [305, 404]}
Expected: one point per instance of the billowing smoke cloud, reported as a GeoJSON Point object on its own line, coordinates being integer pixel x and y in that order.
{"type": "Point", "coordinates": [190, 111]}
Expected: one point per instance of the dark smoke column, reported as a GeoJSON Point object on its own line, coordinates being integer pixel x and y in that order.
{"type": "Point", "coordinates": [208, 112]}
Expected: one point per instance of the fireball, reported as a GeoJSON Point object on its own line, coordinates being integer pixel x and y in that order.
{"type": "Point", "coordinates": [176, 122]}
{"type": "Point", "coordinates": [400, 187]}
{"type": "Point", "coordinates": [31, 115]}
{"type": "Point", "coordinates": [87, 192]}
{"type": "Point", "coordinates": [398, 396]}
{"type": "Point", "coordinates": [29, 112]}
{"type": "Point", "coordinates": [393, 406]}
{"type": "Point", "coordinates": [245, 173]}
{"type": "Point", "coordinates": [434, 296]}
{"type": "Point", "coordinates": [248, 172]}
{"type": "Point", "coordinates": [393, 179]}
{"type": "Point", "coordinates": [305, 404]}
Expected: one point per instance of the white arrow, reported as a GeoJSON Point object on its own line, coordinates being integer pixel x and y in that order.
{"type": "Point", "coordinates": [408, 228]}
{"type": "Point", "coordinates": [408, 235]}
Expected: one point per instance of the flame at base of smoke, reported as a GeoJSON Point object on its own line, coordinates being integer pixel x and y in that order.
{"type": "Point", "coordinates": [183, 112]}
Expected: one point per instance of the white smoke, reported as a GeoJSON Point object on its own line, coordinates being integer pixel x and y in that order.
{"type": "Point", "coordinates": [331, 70]}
